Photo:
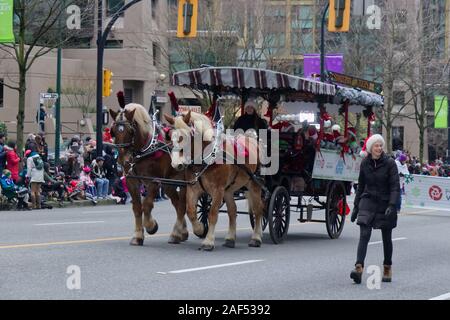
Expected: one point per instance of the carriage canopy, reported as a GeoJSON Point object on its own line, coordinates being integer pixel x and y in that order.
{"type": "Point", "coordinates": [232, 79]}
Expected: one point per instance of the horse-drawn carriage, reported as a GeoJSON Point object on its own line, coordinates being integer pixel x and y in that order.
{"type": "Point", "coordinates": [320, 178]}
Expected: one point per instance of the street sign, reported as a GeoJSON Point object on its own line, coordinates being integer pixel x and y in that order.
{"type": "Point", "coordinates": [161, 100]}
{"type": "Point", "coordinates": [355, 82]}
{"type": "Point", "coordinates": [47, 95]}
{"type": "Point", "coordinates": [197, 109]}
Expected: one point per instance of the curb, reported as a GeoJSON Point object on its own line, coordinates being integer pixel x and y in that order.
{"type": "Point", "coordinates": [81, 203]}
{"type": "Point", "coordinates": [66, 204]}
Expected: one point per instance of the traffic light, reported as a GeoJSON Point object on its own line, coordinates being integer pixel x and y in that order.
{"type": "Point", "coordinates": [339, 18]}
{"type": "Point", "coordinates": [187, 18]}
{"type": "Point", "coordinates": [107, 82]}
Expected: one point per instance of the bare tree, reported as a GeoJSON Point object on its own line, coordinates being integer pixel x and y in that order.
{"type": "Point", "coordinates": [80, 95]}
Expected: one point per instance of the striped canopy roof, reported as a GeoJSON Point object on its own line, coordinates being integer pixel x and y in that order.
{"type": "Point", "coordinates": [239, 78]}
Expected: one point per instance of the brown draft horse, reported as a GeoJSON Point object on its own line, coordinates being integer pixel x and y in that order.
{"type": "Point", "coordinates": [220, 181]}
{"type": "Point", "coordinates": [132, 131]}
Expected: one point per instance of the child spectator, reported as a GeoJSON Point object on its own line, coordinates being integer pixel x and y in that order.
{"type": "Point", "coordinates": [52, 185]}
{"type": "Point", "coordinates": [89, 185]}
{"type": "Point", "coordinates": [118, 189]}
{"type": "Point", "coordinates": [11, 191]}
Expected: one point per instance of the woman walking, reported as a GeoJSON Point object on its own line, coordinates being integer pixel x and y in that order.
{"type": "Point", "coordinates": [376, 204]}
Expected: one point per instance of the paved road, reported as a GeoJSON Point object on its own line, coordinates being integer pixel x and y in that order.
{"type": "Point", "coordinates": [38, 247]}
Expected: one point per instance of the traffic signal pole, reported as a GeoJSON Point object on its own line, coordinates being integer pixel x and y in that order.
{"type": "Point", "coordinates": [322, 44]}
{"type": "Point", "coordinates": [102, 36]}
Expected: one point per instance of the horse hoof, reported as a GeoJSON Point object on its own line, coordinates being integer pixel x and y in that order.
{"type": "Point", "coordinates": [174, 240]}
{"type": "Point", "coordinates": [154, 230]}
{"type": "Point", "coordinates": [207, 247]}
{"type": "Point", "coordinates": [229, 243]}
{"type": "Point", "coordinates": [254, 243]}
{"type": "Point", "coordinates": [184, 236]}
{"type": "Point", "coordinates": [137, 242]}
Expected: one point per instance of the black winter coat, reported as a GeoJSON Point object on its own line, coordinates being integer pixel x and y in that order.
{"type": "Point", "coordinates": [378, 188]}
{"type": "Point", "coordinates": [248, 121]}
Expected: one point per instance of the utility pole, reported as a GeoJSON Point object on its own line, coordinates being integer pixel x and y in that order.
{"type": "Point", "coordinates": [58, 91]}
{"type": "Point", "coordinates": [102, 36]}
{"type": "Point", "coordinates": [322, 44]}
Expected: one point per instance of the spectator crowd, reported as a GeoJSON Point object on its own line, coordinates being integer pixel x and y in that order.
{"type": "Point", "coordinates": [436, 168]}
{"type": "Point", "coordinates": [31, 181]}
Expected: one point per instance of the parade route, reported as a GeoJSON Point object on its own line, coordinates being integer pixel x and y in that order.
{"type": "Point", "coordinates": [38, 247]}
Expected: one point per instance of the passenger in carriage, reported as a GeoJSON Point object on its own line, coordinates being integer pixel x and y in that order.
{"type": "Point", "coordinates": [309, 151]}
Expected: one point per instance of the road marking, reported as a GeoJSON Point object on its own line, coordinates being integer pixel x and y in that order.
{"type": "Point", "coordinates": [108, 211]}
{"type": "Point", "coordinates": [211, 267]}
{"type": "Point", "coordinates": [378, 242]}
{"type": "Point", "coordinates": [442, 297]}
{"type": "Point", "coordinates": [46, 244]}
{"type": "Point", "coordinates": [65, 223]}
{"type": "Point", "coordinates": [72, 242]}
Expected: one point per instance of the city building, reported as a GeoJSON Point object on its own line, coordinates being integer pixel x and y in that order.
{"type": "Point", "coordinates": [136, 54]}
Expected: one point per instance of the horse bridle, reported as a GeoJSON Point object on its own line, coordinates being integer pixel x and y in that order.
{"type": "Point", "coordinates": [126, 125]}
{"type": "Point", "coordinates": [150, 147]}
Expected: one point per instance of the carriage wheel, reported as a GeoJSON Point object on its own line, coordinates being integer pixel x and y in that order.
{"type": "Point", "coordinates": [203, 208]}
{"type": "Point", "coordinates": [278, 214]}
{"type": "Point", "coordinates": [334, 220]}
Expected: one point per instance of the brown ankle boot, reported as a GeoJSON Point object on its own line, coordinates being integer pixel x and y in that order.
{"type": "Point", "coordinates": [357, 273]}
{"type": "Point", "coordinates": [387, 274]}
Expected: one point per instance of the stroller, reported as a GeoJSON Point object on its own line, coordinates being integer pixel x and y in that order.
{"type": "Point", "coordinates": [15, 195]}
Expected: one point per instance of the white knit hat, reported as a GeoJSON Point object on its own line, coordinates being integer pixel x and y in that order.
{"type": "Point", "coordinates": [372, 140]}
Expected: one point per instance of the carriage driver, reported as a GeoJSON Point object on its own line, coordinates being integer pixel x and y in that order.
{"type": "Point", "coordinates": [250, 119]}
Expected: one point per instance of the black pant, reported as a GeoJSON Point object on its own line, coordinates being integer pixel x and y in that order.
{"type": "Point", "coordinates": [364, 239]}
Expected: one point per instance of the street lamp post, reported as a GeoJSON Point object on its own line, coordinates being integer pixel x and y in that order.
{"type": "Point", "coordinates": [102, 36]}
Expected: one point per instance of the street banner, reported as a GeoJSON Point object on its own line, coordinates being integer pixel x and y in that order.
{"type": "Point", "coordinates": [311, 64]}
{"type": "Point", "coordinates": [6, 21]}
{"type": "Point", "coordinates": [440, 112]}
{"type": "Point", "coordinates": [331, 166]}
{"type": "Point", "coordinates": [427, 192]}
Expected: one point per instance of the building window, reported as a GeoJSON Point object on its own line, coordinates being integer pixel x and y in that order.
{"type": "Point", "coordinates": [113, 6]}
{"type": "Point", "coordinates": [301, 42]}
{"type": "Point", "coordinates": [114, 44]}
{"type": "Point", "coordinates": [398, 138]}
{"type": "Point", "coordinates": [156, 55]}
{"type": "Point", "coordinates": [128, 93]}
{"type": "Point", "coordinates": [399, 97]}
{"type": "Point", "coordinates": [1, 93]}
{"type": "Point", "coordinates": [154, 8]}
{"type": "Point", "coordinates": [302, 17]}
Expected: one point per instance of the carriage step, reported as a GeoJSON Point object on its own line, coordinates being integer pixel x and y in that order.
{"type": "Point", "coordinates": [305, 220]}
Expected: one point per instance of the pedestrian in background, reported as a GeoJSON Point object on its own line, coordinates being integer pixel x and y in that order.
{"type": "Point", "coordinates": [40, 117]}
{"type": "Point", "coordinates": [403, 171]}
{"type": "Point", "coordinates": [375, 204]}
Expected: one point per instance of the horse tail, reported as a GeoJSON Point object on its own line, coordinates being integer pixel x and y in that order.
{"type": "Point", "coordinates": [121, 99]}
